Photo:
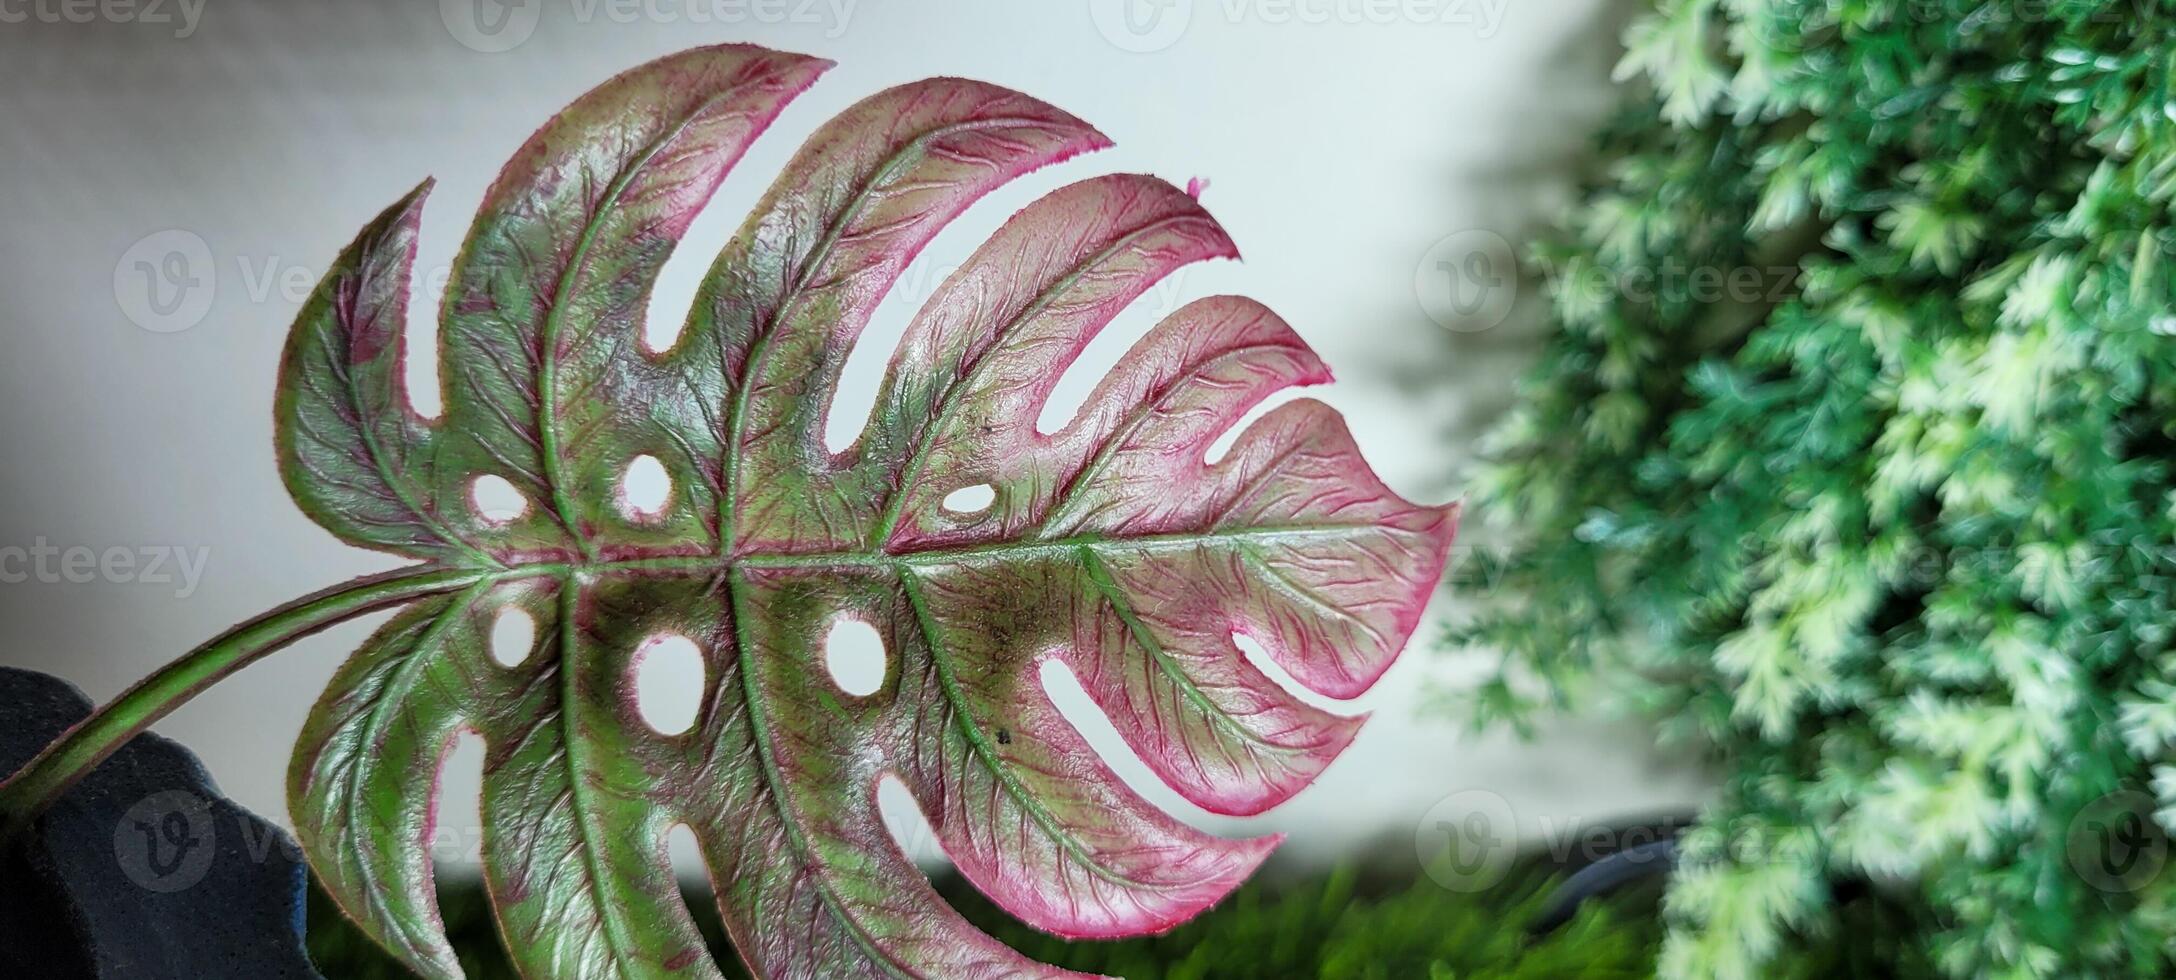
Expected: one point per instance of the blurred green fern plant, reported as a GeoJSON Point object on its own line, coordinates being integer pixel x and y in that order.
{"type": "Point", "coordinates": [1865, 487]}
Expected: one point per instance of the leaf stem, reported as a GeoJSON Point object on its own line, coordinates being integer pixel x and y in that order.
{"type": "Point", "coordinates": [81, 748]}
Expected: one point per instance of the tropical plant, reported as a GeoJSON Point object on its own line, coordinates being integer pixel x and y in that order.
{"type": "Point", "coordinates": [1849, 459]}
{"type": "Point", "coordinates": [1111, 546]}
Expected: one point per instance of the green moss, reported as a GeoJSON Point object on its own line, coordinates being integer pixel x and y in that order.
{"type": "Point", "coordinates": [1336, 926]}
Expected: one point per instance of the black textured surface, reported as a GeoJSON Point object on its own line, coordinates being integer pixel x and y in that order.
{"type": "Point", "coordinates": [143, 871]}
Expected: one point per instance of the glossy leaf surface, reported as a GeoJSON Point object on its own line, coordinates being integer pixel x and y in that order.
{"type": "Point", "coordinates": [1110, 546]}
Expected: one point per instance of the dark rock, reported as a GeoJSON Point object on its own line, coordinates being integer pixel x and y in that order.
{"type": "Point", "coordinates": [142, 871]}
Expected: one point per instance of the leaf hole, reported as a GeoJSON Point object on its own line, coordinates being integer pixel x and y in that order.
{"type": "Point", "coordinates": [970, 500]}
{"type": "Point", "coordinates": [426, 294]}
{"type": "Point", "coordinates": [861, 377]}
{"type": "Point", "coordinates": [684, 851]}
{"type": "Point", "coordinates": [495, 500]}
{"type": "Point", "coordinates": [513, 635]}
{"type": "Point", "coordinates": [668, 678]}
{"type": "Point", "coordinates": [1261, 659]}
{"type": "Point", "coordinates": [854, 402]}
{"type": "Point", "coordinates": [645, 488]}
{"type": "Point", "coordinates": [1105, 352]}
{"type": "Point", "coordinates": [455, 837]}
{"type": "Point", "coordinates": [1224, 441]}
{"type": "Point", "coordinates": [715, 226]}
{"type": "Point", "coordinates": [1079, 708]}
{"type": "Point", "coordinates": [908, 825]}
{"type": "Point", "coordinates": [854, 654]}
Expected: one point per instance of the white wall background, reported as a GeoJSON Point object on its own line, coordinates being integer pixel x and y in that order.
{"type": "Point", "coordinates": [1343, 139]}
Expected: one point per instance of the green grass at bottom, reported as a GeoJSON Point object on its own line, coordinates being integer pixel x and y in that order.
{"type": "Point", "coordinates": [1329, 926]}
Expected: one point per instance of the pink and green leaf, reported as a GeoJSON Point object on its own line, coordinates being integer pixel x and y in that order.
{"type": "Point", "coordinates": [1112, 547]}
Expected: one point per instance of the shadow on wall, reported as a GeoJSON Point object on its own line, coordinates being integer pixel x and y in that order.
{"type": "Point", "coordinates": [1480, 302]}
{"type": "Point", "coordinates": [1481, 315]}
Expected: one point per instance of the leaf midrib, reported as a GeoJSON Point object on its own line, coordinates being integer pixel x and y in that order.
{"type": "Point", "coordinates": [335, 337]}
{"type": "Point", "coordinates": [774, 783]}
{"type": "Point", "coordinates": [895, 507]}
{"type": "Point", "coordinates": [577, 268]}
{"type": "Point", "coordinates": [608, 912]}
{"type": "Point", "coordinates": [1107, 585]}
{"type": "Point", "coordinates": [992, 552]}
{"type": "Point", "coordinates": [426, 644]}
{"type": "Point", "coordinates": [987, 755]}
{"type": "Point", "coordinates": [1061, 511]}
{"type": "Point", "coordinates": [762, 341]}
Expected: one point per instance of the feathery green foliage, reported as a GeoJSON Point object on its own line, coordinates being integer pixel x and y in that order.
{"type": "Point", "coordinates": [1849, 461]}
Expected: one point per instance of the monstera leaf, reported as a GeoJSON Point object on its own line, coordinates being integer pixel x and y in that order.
{"type": "Point", "coordinates": [1111, 546]}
